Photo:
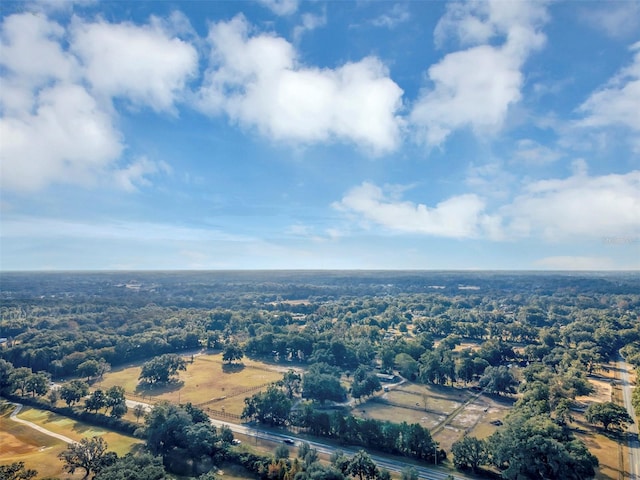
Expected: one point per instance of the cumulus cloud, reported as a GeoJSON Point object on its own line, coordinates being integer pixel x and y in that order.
{"type": "Point", "coordinates": [458, 217]}
{"type": "Point", "coordinates": [580, 206]}
{"type": "Point", "coordinates": [58, 123]}
{"type": "Point", "coordinates": [258, 82]}
{"type": "Point", "coordinates": [618, 102]}
{"type": "Point", "coordinates": [139, 63]}
{"type": "Point", "coordinates": [475, 87]}
{"type": "Point", "coordinates": [67, 139]}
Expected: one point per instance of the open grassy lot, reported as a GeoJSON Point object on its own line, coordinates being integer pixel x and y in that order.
{"type": "Point", "coordinates": [21, 443]}
{"type": "Point", "coordinates": [207, 380]}
{"type": "Point", "coordinates": [121, 444]}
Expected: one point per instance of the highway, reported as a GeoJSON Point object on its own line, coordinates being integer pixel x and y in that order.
{"type": "Point", "coordinates": [393, 465]}
{"type": "Point", "coordinates": [425, 472]}
{"type": "Point", "coordinates": [634, 443]}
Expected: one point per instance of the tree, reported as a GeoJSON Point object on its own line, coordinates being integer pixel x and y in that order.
{"type": "Point", "coordinates": [19, 378]}
{"type": "Point", "coordinates": [323, 387]}
{"type": "Point", "coordinates": [162, 369]}
{"type": "Point", "coordinates": [73, 391]}
{"type": "Point", "coordinates": [177, 430]}
{"type": "Point", "coordinates": [281, 452]}
{"type": "Point", "coordinates": [86, 455]}
{"type": "Point", "coordinates": [362, 466]}
{"type": "Point", "coordinates": [134, 467]}
{"type": "Point", "coordinates": [409, 473]}
{"type": "Point", "coordinates": [138, 411]}
{"type": "Point", "coordinates": [272, 407]}
{"type": "Point", "coordinates": [470, 452]}
{"type": "Point", "coordinates": [364, 383]}
{"type": "Point", "coordinates": [608, 413]}
{"type": "Point", "coordinates": [116, 401]}
{"type": "Point", "coordinates": [498, 380]}
{"type": "Point", "coordinates": [17, 471]}
{"type": "Point", "coordinates": [226, 435]}
{"type": "Point", "coordinates": [38, 384]}
{"type": "Point", "coordinates": [89, 369]}
{"type": "Point", "coordinates": [6, 369]}
{"type": "Point", "coordinates": [292, 382]}
{"type": "Point", "coordinates": [232, 352]}
{"type": "Point", "coordinates": [96, 401]}
{"type": "Point", "coordinates": [407, 366]}
{"type": "Point", "coordinates": [536, 447]}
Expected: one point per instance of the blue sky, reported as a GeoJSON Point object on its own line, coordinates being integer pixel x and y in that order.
{"type": "Point", "coordinates": [290, 134]}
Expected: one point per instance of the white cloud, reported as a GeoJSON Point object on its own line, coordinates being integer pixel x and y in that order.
{"type": "Point", "coordinates": [475, 87]}
{"type": "Point", "coordinates": [575, 263]}
{"type": "Point", "coordinates": [458, 217]}
{"type": "Point", "coordinates": [137, 173]}
{"type": "Point", "coordinates": [531, 152]}
{"type": "Point", "coordinates": [492, 180]}
{"type": "Point", "coordinates": [614, 19]}
{"type": "Point", "coordinates": [398, 14]}
{"type": "Point", "coordinates": [141, 63]}
{"type": "Point", "coordinates": [618, 102]}
{"type": "Point", "coordinates": [32, 54]}
{"type": "Point", "coordinates": [281, 7]}
{"type": "Point", "coordinates": [309, 22]}
{"type": "Point", "coordinates": [56, 130]}
{"type": "Point", "coordinates": [67, 139]}
{"type": "Point", "coordinates": [580, 206]}
{"type": "Point", "coordinates": [258, 82]}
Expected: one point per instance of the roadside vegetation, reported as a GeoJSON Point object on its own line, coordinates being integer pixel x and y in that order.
{"type": "Point", "coordinates": [500, 374]}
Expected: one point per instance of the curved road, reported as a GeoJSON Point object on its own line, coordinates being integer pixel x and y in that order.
{"type": "Point", "coordinates": [634, 443]}
{"type": "Point", "coordinates": [37, 427]}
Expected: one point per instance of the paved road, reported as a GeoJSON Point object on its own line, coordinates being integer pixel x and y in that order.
{"type": "Point", "coordinates": [634, 443]}
{"type": "Point", "coordinates": [37, 427]}
{"type": "Point", "coordinates": [427, 473]}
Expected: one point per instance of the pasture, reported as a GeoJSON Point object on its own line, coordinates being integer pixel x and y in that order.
{"type": "Point", "coordinates": [448, 412]}
{"type": "Point", "coordinates": [207, 382]}
{"type": "Point", "coordinates": [21, 443]}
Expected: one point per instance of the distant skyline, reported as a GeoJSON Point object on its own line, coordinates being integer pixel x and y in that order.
{"type": "Point", "coordinates": [283, 134]}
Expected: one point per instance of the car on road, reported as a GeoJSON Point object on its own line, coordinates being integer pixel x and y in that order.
{"type": "Point", "coordinates": [288, 441]}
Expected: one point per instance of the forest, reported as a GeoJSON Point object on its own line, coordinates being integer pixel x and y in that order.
{"type": "Point", "coordinates": [534, 338]}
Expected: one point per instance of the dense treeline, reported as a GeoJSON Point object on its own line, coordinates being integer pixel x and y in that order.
{"type": "Point", "coordinates": [536, 336]}
{"type": "Point", "coordinates": [59, 333]}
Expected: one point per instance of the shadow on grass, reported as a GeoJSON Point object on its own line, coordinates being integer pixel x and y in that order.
{"type": "Point", "coordinates": [232, 367]}
{"type": "Point", "coordinates": [83, 428]}
{"type": "Point", "coordinates": [155, 389]}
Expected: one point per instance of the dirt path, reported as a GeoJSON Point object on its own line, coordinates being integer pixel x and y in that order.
{"type": "Point", "coordinates": [37, 427]}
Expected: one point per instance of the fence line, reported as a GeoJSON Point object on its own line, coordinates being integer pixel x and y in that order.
{"type": "Point", "coordinates": [222, 414]}
{"type": "Point", "coordinates": [233, 393]}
